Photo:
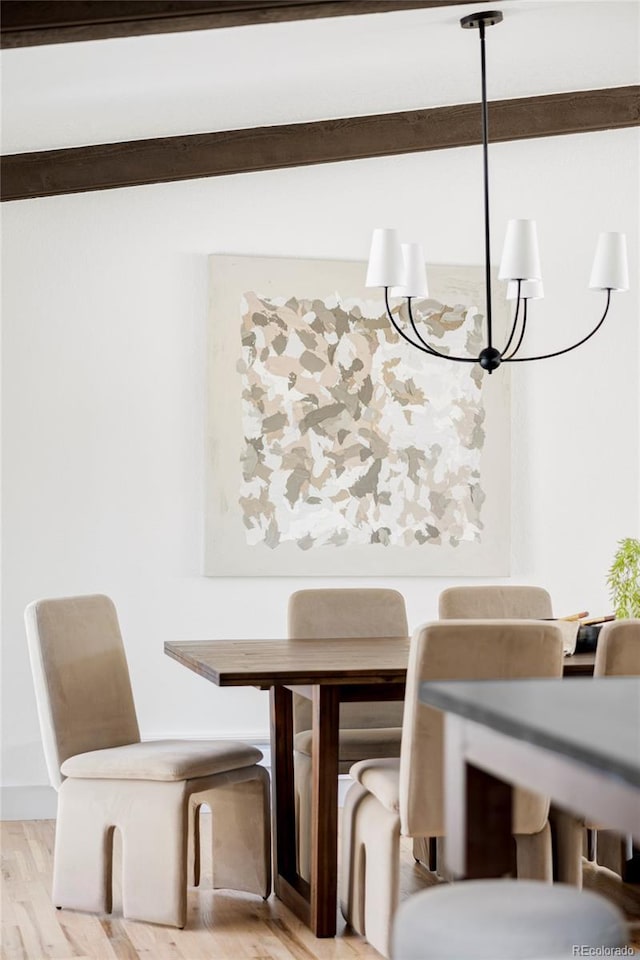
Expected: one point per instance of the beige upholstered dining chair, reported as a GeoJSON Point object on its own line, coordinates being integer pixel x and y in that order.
{"type": "Point", "coordinates": [618, 650]}
{"type": "Point", "coordinates": [394, 797]}
{"type": "Point", "coordinates": [495, 603]}
{"type": "Point", "coordinates": [498, 602]}
{"type": "Point", "coordinates": [617, 655]}
{"type": "Point", "coordinates": [366, 729]}
{"type": "Point", "coordinates": [107, 778]}
{"type": "Point", "coordinates": [488, 602]}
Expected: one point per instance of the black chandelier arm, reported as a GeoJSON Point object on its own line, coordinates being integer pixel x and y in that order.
{"type": "Point", "coordinates": [432, 350]}
{"type": "Point", "coordinates": [515, 323]}
{"type": "Point", "coordinates": [425, 349]}
{"type": "Point", "coordinates": [423, 345]}
{"type": "Point", "coordinates": [520, 338]}
{"type": "Point", "coordinates": [558, 353]}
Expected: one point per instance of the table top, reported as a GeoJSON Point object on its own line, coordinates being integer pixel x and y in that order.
{"type": "Point", "coordinates": [297, 662]}
{"type": "Point", "coordinates": [367, 660]}
{"type": "Point", "coordinates": [595, 721]}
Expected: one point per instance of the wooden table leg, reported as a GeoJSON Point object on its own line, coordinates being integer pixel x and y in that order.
{"type": "Point", "coordinates": [324, 810]}
{"type": "Point", "coordinates": [490, 843]}
{"type": "Point", "coordinates": [283, 806]}
{"type": "Point", "coordinates": [288, 886]}
{"type": "Point", "coordinates": [478, 812]}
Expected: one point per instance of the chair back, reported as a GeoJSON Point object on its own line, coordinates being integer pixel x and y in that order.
{"type": "Point", "coordinates": [348, 613]}
{"type": "Point", "coordinates": [495, 603]}
{"type": "Point", "coordinates": [81, 678]}
{"type": "Point", "coordinates": [465, 650]}
{"type": "Point", "coordinates": [618, 650]}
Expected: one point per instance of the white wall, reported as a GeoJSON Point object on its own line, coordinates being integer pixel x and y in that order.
{"type": "Point", "coordinates": [105, 306]}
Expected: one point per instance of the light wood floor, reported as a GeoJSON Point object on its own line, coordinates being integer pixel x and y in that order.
{"type": "Point", "coordinates": [220, 926]}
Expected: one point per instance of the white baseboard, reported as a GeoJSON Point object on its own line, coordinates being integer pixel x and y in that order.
{"type": "Point", "coordinates": [32, 802]}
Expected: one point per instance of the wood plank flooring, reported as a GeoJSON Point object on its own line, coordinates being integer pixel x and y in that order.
{"type": "Point", "coordinates": [220, 925]}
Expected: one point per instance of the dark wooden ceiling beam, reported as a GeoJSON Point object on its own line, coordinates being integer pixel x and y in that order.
{"type": "Point", "coordinates": [27, 23]}
{"type": "Point", "coordinates": [136, 162]}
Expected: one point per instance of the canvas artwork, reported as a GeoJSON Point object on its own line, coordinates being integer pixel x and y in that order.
{"type": "Point", "coordinates": [336, 449]}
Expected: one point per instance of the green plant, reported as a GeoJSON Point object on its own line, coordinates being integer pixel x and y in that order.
{"type": "Point", "coordinates": [624, 579]}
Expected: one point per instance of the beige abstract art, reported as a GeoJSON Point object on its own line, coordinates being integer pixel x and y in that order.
{"type": "Point", "coordinates": [334, 448]}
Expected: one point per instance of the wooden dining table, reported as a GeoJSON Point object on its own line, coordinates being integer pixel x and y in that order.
{"type": "Point", "coordinates": [328, 672]}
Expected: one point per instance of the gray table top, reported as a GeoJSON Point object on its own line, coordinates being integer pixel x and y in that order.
{"type": "Point", "coordinates": [595, 721]}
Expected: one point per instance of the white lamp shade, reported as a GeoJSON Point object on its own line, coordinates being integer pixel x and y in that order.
{"type": "Point", "coordinates": [529, 290]}
{"type": "Point", "coordinates": [520, 259]}
{"type": "Point", "coordinates": [415, 274]}
{"type": "Point", "coordinates": [610, 269]}
{"type": "Point", "coordinates": [386, 267]}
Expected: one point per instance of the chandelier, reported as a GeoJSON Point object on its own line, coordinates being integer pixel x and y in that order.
{"type": "Point", "coordinates": [400, 268]}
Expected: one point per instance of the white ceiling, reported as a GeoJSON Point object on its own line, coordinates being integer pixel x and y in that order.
{"type": "Point", "coordinates": [109, 90]}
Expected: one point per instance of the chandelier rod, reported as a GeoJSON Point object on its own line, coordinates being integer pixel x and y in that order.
{"type": "Point", "coordinates": [485, 168]}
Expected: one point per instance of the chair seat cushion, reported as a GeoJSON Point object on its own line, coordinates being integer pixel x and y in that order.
{"type": "Point", "coordinates": [381, 778]}
{"type": "Point", "coordinates": [162, 760]}
{"type": "Point", "coordinates": [358, 744]}
{"type": "Point", "coordinates": [504, 920]}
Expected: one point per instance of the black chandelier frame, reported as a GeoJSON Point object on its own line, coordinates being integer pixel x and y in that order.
{"type": "Point", "coordinates": [489, 357]}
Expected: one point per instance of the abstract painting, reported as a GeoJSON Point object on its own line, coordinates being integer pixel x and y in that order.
{"type": "Point", "coordinates": [335, 448]}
